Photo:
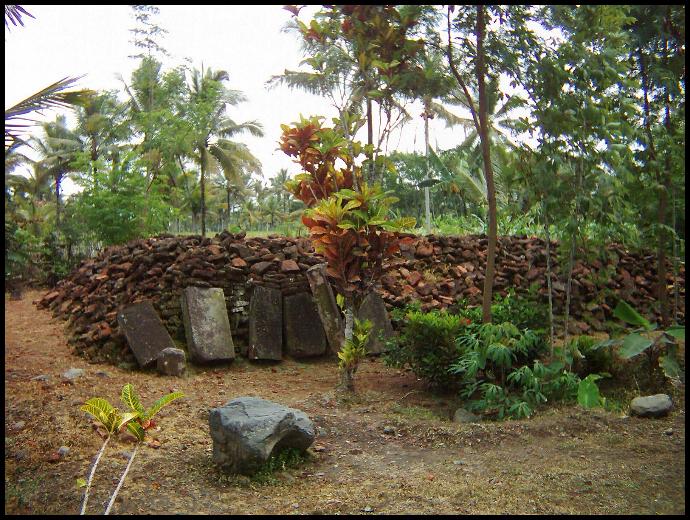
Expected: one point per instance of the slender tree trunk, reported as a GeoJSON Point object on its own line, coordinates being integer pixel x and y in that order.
{"type": "Point", "coordinates": [58, 181]}
{"type": "Point", "coordinates": [663, 205]}
{"type": "Point", "coordinates": [675, 259]}
{"type": "Point", "coordinates": [427, 202]}
{"type": "Point", "coordinates": [488, 169]}
{"type": "Point", "coordinates": [347, 381]}
{"type": "Point", "coordinates": [662, 294]}
{"type": "Point", "coordinates": [94, 154]}
{"type": "Point", "coordinates": [202, 186]}
{"type": "Point", "coordinates": [571, 258]}
{"type": "Point", "coordinates": [548, 275]}
{"type": "Point", "coordinates": [370, 139]}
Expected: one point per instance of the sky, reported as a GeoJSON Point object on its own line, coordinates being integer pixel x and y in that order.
{"type": "Point", "coordinates": [246, 41]}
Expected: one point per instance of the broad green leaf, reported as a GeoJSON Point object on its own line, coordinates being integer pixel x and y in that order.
{"type": "Point", "coordinates": [588, 392]}
{"type": "Point", "coordinates": [629, 315]}
{"type": "Point", "coordinates": [112, 423]}
{"type": "Point", "coordinates": [126, 417]}
{"type": "Point", "coordinates": [634, 344]}
{"type": "Point", "coordinates": [136, 430]}
{"type": "Point", "coordinates": [81, 482]}
{"type": "Point", "coordinates": [676, 331]}
{"type": "Point", "coordinates": [166, 399]}
{"type": "Point", "coordinates": [99, 408]}
{"type": "Point", "coordinates": [669, 364]}
{"type": "Point", "coordinates": [607, 343]}
{"type": "Point", "coordinates": [131, 399]}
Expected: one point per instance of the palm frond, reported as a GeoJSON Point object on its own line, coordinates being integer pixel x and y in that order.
{"type": "Point", "coordinates": [51, 97]}
{"type": "Point", "coordinates": [14, 13]}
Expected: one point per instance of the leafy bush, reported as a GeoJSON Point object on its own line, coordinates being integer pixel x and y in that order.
{"type": "Point", "coordinates": [586, 355]}
{"type": "Point", "coordinates": [426, 344]}
{"type": "Point", "coordinates": [494, 363]}
{"type": "Point", "coordinates": [521, 311]}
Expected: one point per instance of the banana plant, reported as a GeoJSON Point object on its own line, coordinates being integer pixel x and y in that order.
{"type": "Point", "coordinates": [137, 420]}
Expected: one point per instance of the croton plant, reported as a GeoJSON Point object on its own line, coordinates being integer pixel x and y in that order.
{"type": "Point", "coordinates": [349, 221]}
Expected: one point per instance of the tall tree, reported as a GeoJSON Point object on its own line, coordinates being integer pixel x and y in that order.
{"type": "Point", "coordinates": [463, 22]}
{"type": "Point", "coordinates": [212, 128]}
{"type": "Point", "coordinates": [58, 148]}
{"type": "Point", "coordinates": [658, 51]}
{"type": "Point", "coordinates": [147, 34]}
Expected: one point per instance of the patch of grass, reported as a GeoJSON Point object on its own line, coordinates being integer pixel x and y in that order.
{"type": "Point", "coordinates": [414, 412]}
{"type": "Point", "coordinates": [284, 459]}
{"type": "Point", "coordinates": [24, 490]}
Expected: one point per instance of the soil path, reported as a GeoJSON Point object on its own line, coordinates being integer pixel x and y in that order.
{"type": "Point", "coordinates": [390, 449]}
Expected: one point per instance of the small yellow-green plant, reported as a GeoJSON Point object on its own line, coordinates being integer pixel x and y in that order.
{"type": "Point", "coordinates": [137, 420]}
{"type": "Point", "coordinates": [353, 352]}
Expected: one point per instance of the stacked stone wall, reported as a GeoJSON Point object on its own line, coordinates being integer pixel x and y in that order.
{"type": "Point", "coordinates": [437, 271]}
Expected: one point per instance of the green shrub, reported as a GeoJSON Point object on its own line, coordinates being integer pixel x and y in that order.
{"type": "Point", "coordinates": [494, 371]}
{"type": "Point", "coordinates": [521, 311]}
{"type": "Point", "coordinates": [427, 344]}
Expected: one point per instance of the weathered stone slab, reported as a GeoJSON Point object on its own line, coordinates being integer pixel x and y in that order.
{"type": "Point", "coordinates": [248, 430]}
{"type": "Point", "coordinates": [206, 325]}
{"type": "Point", "coordinates": [171, 362]}
{"type": "Point", "coordinates": [265, 324]}
{"type": "Point", "coordinates": [302, 330]}
{"type": "Point", "coordinates": [144, 331]}
{"type": "Point", "coordinates": [373, 309]}
{"type": "Point", "coordinates": [327, 307]}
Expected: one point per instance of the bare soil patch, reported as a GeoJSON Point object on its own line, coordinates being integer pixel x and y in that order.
{"type": "Point", "coordinates": [389, 449]}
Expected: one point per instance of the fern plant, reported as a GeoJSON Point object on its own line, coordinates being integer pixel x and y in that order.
{"type": "Point", "coordinates": [137, 420]}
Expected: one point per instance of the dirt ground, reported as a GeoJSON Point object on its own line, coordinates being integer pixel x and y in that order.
{"type": "Point", "coordinates": [563, 460]}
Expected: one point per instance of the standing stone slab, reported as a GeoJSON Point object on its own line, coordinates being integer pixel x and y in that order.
{"type": "Point", "coordinates": [374, 310]}
{"type": "Point", "coordinates": [206, 325]}
{"type": "Point", "coordinates": [145, 332]}
{"type": "Point", "coordinates": [326, 306]}
{"type": "Point", "coordinates": [266, 324]}
{"type": "Point", "coordinates": [302, 329]}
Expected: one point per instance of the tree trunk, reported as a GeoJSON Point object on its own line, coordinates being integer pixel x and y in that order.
{"type": "Point", "coordinates": [370, 139]}
{"type": "Point", "coordinates": [347, 375]}
{"type": "Point", "coordinates": [488, 170]}
{"type": "Point", "coordinates": [548, 275]}
{"type": "Point", "coordinates": [202, 186]}
{"type": "Point", "coordinates": [663, 204]}
{"type": "Point", "coordinates": [58, 179]}
{"type": "Point", "coordinates": [427, 202]}
{"type": "Point", "coordinates": [571, 259]}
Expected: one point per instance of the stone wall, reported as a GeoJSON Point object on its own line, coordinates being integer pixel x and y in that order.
{"type": "Point", "coordinates": [438, 271]}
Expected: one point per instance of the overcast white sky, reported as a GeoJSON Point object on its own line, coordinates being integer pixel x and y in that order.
{"type": "Point", "coordinates": [246, 41]}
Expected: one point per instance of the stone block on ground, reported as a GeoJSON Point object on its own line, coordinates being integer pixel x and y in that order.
{"type": "Point", "coordinates": [265, 324]}
{"type": "Point", "coordinates": [302, 330]}
{"type": "Point", "coordinates": [373, 309]}
{"type": "Point", "coordinates": [657, 405]}
{"type": "Point", "coordinates": [464, 416]}
{"type": "Point", "coordinates": [206, 324]}
{"type": "Point", "coordinates": [171, 362]}
{"type": "Point", "coordinates": [246, 431]}
{"type": "Point", "coordinates": [326, 306]}
{"type": "Point", "coordinates": [144, 331]}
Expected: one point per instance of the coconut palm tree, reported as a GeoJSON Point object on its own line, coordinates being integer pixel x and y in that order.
{"type": "Point", "coordinates": [57, 148]}
{"type": "Point", "coordinates": [212, 128]}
